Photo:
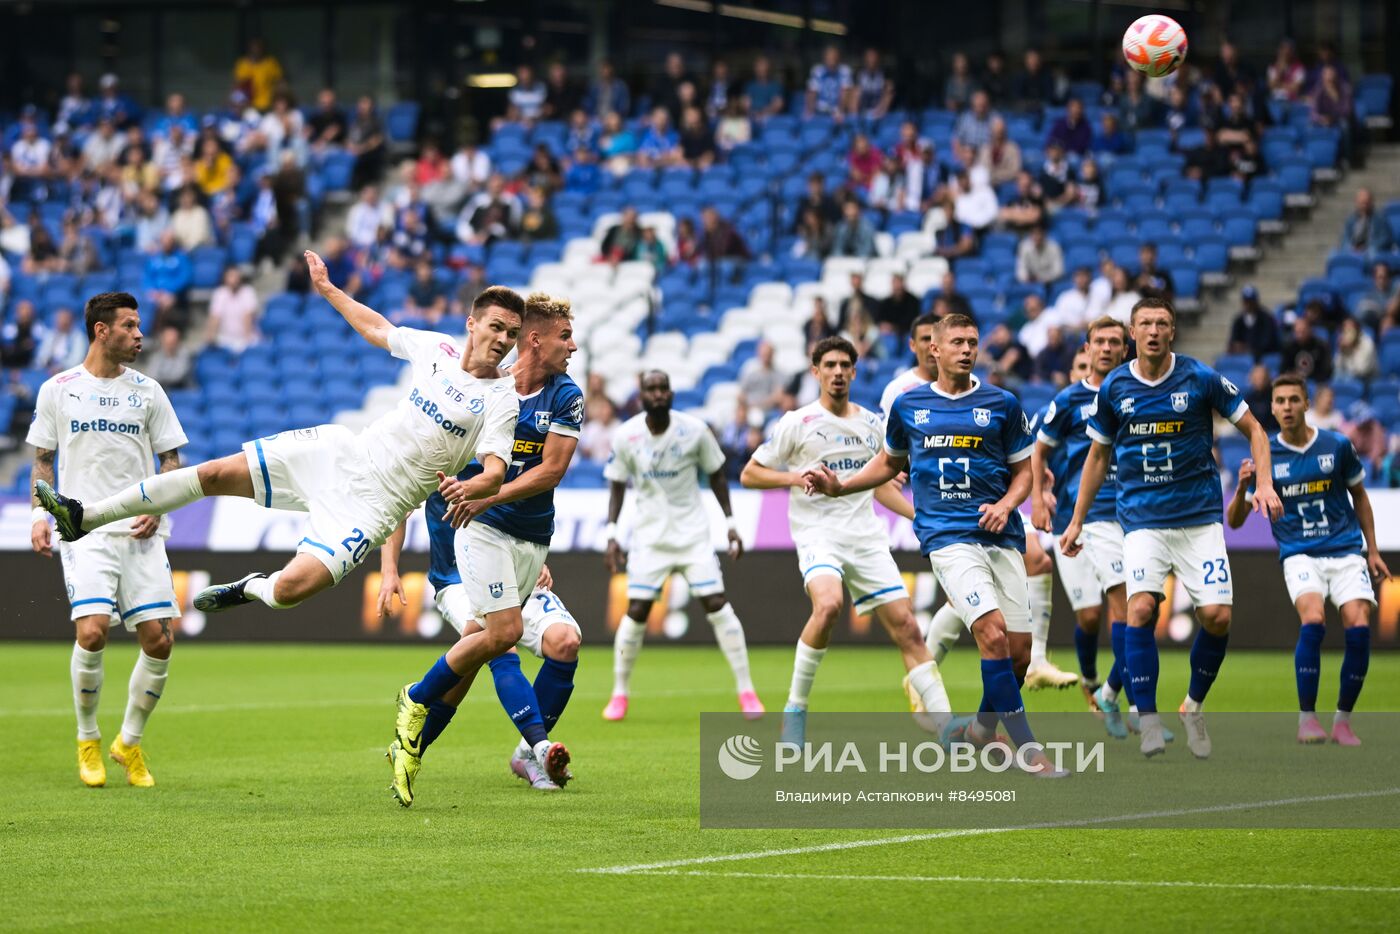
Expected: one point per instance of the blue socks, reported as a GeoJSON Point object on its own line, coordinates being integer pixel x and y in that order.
{"type": "Point", "coordinates": [518, 697]}
{"type": "Point", "coordinates": [1207, 655]}
{"type": "Point", "coordinates": [438, 681]}
{"type": "Point", "coordinates": [999, 689]}
{"type": "Point", "coordinates": [1086, 644]}
{"type": "Point", "coordinates": [553, 684]}
{"type": "Point", "coordinates": [440, 714]}
{"type": "Point", "coordinates": [1117, 675]}
{"type": "Point", "coordinates": [1354, 664]}
{"type": "Point", "coordinates": [1140, 660]}
{"type": "Point", "coordinates": [1307, 664]}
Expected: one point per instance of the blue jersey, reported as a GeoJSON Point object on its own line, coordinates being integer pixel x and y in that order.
{"type": "Point", "coordinates": [556, 408]}
{"type": "Point", "coordinates": [1162, 435]}
{"type": "Point", "coordinates": [1062, 427]}
{"type": "Point", "coordinates": [960, 451]}
{"type": "Point", "coordinates": [1318, 517]}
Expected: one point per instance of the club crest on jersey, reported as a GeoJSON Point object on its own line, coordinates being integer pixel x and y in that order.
{"type": "Point", "coordinates": [1179, 401]}
{"type": "Point", "coordinates": [1050, 412]}
{"type": "Point", "coordinates": [134, 400]}
{"type": "Point", "coordinates": [542, 421]}
{"type": "Point", "coordinates": [1230, 387]}
{"type": "Point", "coordinates": [475, 406]}
{"type": "Point", "coordinates": [1139, 573]}
{"type": "Point", "coordinates": [982, 417]}
{"type": "Point", "coordinates": [974, 598]}
{"type": "Point", "coordinates": [1117, 566]}
{"type": "Point", "coordinates": [1326, 462]}
{"type": "Point", "coordinates": [496, 588]}
{"type": "Point", "coordinates": [1126, 406]}
{"type": "Point", "coordinates": [921, 416]}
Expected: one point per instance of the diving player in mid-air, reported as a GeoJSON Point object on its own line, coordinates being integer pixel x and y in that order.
{"type": "Point", "coordinates": [1327, 543]}
{"type": "Point", "coordinates": [1154, 417]}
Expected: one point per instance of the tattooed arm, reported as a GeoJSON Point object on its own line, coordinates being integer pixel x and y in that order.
{"type": "Point", "coordinates": [40, 538]}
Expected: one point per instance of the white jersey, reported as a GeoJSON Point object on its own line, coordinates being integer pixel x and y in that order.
{"type": "Point", "coordinates": [898, 386]}
{"type": "Point", "coordinates": [107, 433]}
{"type": "Point", "coordinates": [663, 470]}
{"type": "Point", "coordinates": [810, 436]}
{"type": "Point", "coordinates": [448, 418]}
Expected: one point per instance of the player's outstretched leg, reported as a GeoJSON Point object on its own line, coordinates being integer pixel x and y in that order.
{"type": "Point", "coordinates": [627, 645]}
{"type": "Point", "coordinates": [1355, 662]}
{"type": "Point", "coordinates": [1307, 669]}
{"type": "Point", "coordinates": [729, 633]}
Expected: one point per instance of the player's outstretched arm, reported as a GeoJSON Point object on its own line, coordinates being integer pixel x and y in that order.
{"type": "Point", "coordinates": [1237, 510]}
{"type": "Point", "coordinates": [883, 468]}
{"type": "Point", "coordinates": [367, 322]}
{"type": "Point", "coordinates": [1366, 517]}
{"type": "Point", "coordinates": [390, 584]}
{"type": "Point", "coordinates": [890, 496]}
{"type": "Point", "coordinates": [1095, 470]}
{"type": "Point", "coordinates": [1266, 501]}
{"type": "Point", "coordinates": [40, 536]}
{"type": "Point", "coordinates": [755, 476]}
{"type": "Point", "coordinates": [554, 461]}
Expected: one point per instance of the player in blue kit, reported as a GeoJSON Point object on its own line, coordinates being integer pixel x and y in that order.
{"type": "Point", "coordinates": [967, 448]}
{"type": "Point", "coordinates": [500, 553]}
{"type": "Point", "coordinates": [1154, 415]}
{"type": "Point", "coordinates": [1327, 543]}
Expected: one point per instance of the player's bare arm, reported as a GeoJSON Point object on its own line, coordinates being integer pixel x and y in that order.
{"type": "Point", "coordinates": [719, 485]}
{"type": "Point", "coordinates": [615, 558]}
{"type": "Point", "coordinates": [558, 453]}
{"type": "Point", "coordinates": [390, 584]}
{"type": "Point", "coordinates": [1041, 479]}
{"type": "Point", "coordinates": [1266, 501]}
{"type": "Point", "coordinates": [755, 476]}
{"type": "Point", "coordinates": [1237, 510]}
{"type": "Point", "coordinates": [1366, 517]}
{"type": "Point", "coordinates": [995, 515]}
{"type": "Point", "coordinates": [883, 468]}
{"type": "Point", "coordinates": [40, 536]}
{"type": "Point", "coordinates": [1095, 470]}
{"type": "Point", "coordinates": [890, 496]}
{"type": "Point", "coordinates": [487, 483]}
{"type": "Point", "coordinates": [367, 322]}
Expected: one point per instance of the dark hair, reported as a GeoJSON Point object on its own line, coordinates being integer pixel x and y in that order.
{"type": "Point", "coordinates": [1152, 301]}
{"type": "Point", "coordinates": [1105, 321]}
{"type": "Point", "coordinates": [955, 320]}
{"type": "Point", "coordinates": [827, 344]}
{"type": "Point", "coordinates": [501, 297]}
{"type": "Point", "coordinates": [1290, 379]}
{"type": "Point", "coordinates": [102, 308]}
{"type": "Point", "coordinates": [925, 320]}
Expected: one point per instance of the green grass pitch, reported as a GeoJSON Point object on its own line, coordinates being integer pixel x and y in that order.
{"type": "Point", "coordinates": [272, 813]}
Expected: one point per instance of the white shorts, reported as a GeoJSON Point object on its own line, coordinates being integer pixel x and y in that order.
{"type": "Point", "coordinates": [1097, 568]}
{"type": "Point", "coordinates": [981, 578]}
{"type": "Point", "coordinates": [868, 571]}
{"type": "Point", "coordinates": [542, 610]}
{"type": "Point", "coordinates": [321, 471]}
{"type": "Point", "coordinates": [119, 575]}
{"type": "Point", "coordinates": [499, 570]}
{"type": "Point", "coordinates": [648, 568]}
{"type": "Point", "coordinates": [1196, 554]}
{"type": "Point", "coordinates": [1344, 578]}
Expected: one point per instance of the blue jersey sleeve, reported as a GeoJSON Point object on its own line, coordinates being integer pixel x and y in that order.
{"type": "Point", "coordinates": [1055, 421]}
{"type": "Point", "coordinates": [566, 415]}
{"type": "Point", "coordinates": [1223, 395]}
{"type": "Point", "coordinates": [1016, 434]}
{"type": "Point", "coordinates": [896, 435]}
{"type": "Point", "coordinates": [1103, 423]}
{"type": "Point", "coordinates": [1349, 465]}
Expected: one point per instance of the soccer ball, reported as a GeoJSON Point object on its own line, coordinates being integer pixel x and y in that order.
{"type": "Point", "coordinates": [1155, 45]}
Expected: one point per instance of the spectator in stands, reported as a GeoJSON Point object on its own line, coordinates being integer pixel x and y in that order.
{"type": "Point", "coordinates": [171, 154]}
{"type": "Point", "coordinates": [1031, 324]}
{"type": "Point", "coordinates": [77, 252]}
{"type": "Point", "coordinates": [954, 239]}
{"type": "Point", "coordinates": [5, 276]}
{"type": "Point", "coordinates": [30, 163]}
{"type": "Point", "coordinates": [859, 299]}
{"type": "Point", "coordinates": [1209, 160]}
{"type": "Point", "coordinates": [720, 92]}
{"type": "Point", "coordinates": [718, 239]}
{"type": "Point", "coordinates": [1229, 71]}
{"type": "Point", "coordinates": [190, 221]}
{"type": "Point", "coordinates": [470, 169]}
{"type": "Point", "coordinates": [21, 337]}
{"type": "Point", "coordinates": [1140, 110]}
{"type": "Point", "coordinates": [111, 102]}
{"type": "Point", "coordinates": [652, 250]}
{"type": "Point", "coordinates": [1286, 75]}
{"type": "Point", "coordinates": [621, 240]}
{"type": "Point", "coordinates": [1027, 208]}
{"type": "Point", "coordinates": [1322, 413]}
{"type": "Point", "coordinates": [854, 235]}
{"type": "Point", "coordinates": [1039, 257]}
{"type": "Point", "coordinates": [169, 363]}
{"type": "Point", "coordinates": [814, 235]}
{"type": "Point", "coordinates": [75, 107]}
{"type": "Point", "coordinates": [326, 128]}
{"type": "Point", "coordinates": [213, 170]}
{"type": "Point", "coordinates": [1306, 353]}
{"type": "Point", "coordinates": [427, 297]}
{"type": "Point", "coordinates": [760, 381]}
{"type": "Point", "coordinates": [660, 144]}
{"type": "Point", "coordinates": [764, 94]}
{"type": "Point", "coordinates": [537, 220]}
{"type": "Point", "coordinates": [1053, 363]}
{"type": "Point", "coordinates": [617, 144]}
{"type": "Point", "coordinates": [1034, 87]}
{"type": "Point", "coordinates": [1151, 278]}
{"type": "Point", "coordinates": [1110, 137]}
{"type": "Point", "coordinates": [975, 202]}
{"type": "Point", "coordinates": [364, 139]}
{"type": "Point", "coordinates": [959, 85]}
{"type": "Point", "coordinates": [1123, 297]}
{"type": "Point", "coordinates": [734, 128]}
{"type": "Point", "coordinates": [1370, 306]}
{"type": "Point", "coordinates": [608, 94]}
{"type": "Point", "coordinates": [896, 312]}
{"type": "Point", "coordinates": [829, 86]}
{"type": "Point", "coordinates": [279, 132]}
{"type": "Point", "coordinates": [431, 166]}
{"type": "Point", "coordinates": [860, 329]}
{"type": "Point", "coordinates": [1072, 131]}
{"type": "Point", "coordinates": [817, 199]}
{"type": "Point", "coordinates": [150, 222]}
{"type": "Point", "coordinates": [666, 91]}
{"type": "Point", "coordinates": [874, 91]}
{"type": "Point", "coordinates": [1000, 155]}
{"type": "Point", "coordinates": [561, 95]}
{"type": "Point", "coordinates": [973, 129]}
{"type": "Point", "coordinates": [1259, 396]}
{"type": "Point", "coordinates": [687, 242]}
{"type": "Point", "coordinates": [802, 389]}
{"type": "Point", "coordinates": [1356, 352]}
{"type": "Point", "coordinates": [1009, 363]}
{"type": "Point", "coordinates": [582, 135]}
{"type": "Point", "coordinates": [543, 170]}
{"type": "Point", "coordinates": [1366, 231]}
{"type": "Point", "coordinates": [1056, 178]}
{"type": "Point", "coordinates": [595, 437]}
{"type": "Point", "coordinates": [526, 100]}
{"type": "Point", "coordinates": [1254, 330]}
{"type": "Point", "coordinates": [233, 312]}
{"type": "Point", "coordinates": [818, 326]}
{"type": "Point", "coordinates": [697, 142]}
{"type": "Point", "coordinates": [64, 346]}
{"type": "Point", "coordinates": [1071, 308]}
{"type": "Point", "coordinates": [917, 173]}
{"type": "Point", "coordinates": [103, 147]}
{"type": "Point", "coordinates": [862, 162]}
{"type": "Point", "coordinates": [175, 114]}
{"type": "Point", "coordinates": [365, 218]}
{"type": "Point", "coordinates": [167, 278]}
{"type": "Point", "coordinates": [1210, 107]}
{"type": "Point", "coordinates": [741, 437]}
{"type": "Point", "coordinates": [949, 301]}
{"type": "Point", "coordinates": [258, 74]}
{"type": "Point", "coordinates": [138, 174]}
{"type": "Point", "coordinates": [491, 214]}
{"type": "Point", "coordinates": [43, 254]}
{"type": "Point", "coordinates": [1088, 187]}
{"type": "Point", "coordinates": [473, 284]}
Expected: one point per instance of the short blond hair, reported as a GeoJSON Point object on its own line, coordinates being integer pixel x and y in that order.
{"type": "Point", "coordinates": [542, 308]}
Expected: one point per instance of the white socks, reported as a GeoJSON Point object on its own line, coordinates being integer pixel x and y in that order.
{"type": "Point", "coordinates": [627, 645]}
{"type": "Point", "coordinates": [1042, 589]}
{"type": "Point", "coordinates": [943, 632]}
{"type": "Point", "coordinates": [144, 690]}
{"type": "Point", "coordinates": [261, 588]}
{"type": "Point", "coordinates": [153, 496]}
{"type": "Point", "coordinates": [804, 672]}
{"type": "Point", "coordinates": [926, 680]}
{"type": "Point", "coordinates": [86, 669]}
{"type": "Point", "coordinates": [1109, 694]}
{"type": "Point", "coordinates": [729, 633]}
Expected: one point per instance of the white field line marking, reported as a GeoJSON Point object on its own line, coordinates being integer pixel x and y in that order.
{"type": "Point", "coordinates": [1018, 880]}
{"type": "Point", "coordinates": [979, 831]}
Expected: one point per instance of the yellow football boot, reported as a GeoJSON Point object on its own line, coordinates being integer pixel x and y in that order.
{"type": "Point", "coordinates": [134, 761]}
{"type": "Point", "coordinates": [90, 767]}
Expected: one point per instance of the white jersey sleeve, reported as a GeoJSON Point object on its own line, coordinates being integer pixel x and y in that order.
{"type": "Point", "coordinates": [163, 424]}
{"type": "Point", "coordinates": [43, 430]}
{"type": "Point", "coordinates": [411, 344]}
{"type": "Point", "coordinates": [776, 452]}
{"type": "Point", "coordinates": [708, 453]}
{"type": "Point", "coordinates": [618, 468]}
{"type": "Point", "coordinates": [498, 434]}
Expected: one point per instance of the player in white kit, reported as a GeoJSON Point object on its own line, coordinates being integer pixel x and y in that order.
{"type": "Point", "coordinates": [106, 423]}
{"type": "Point", "coordinates": [660, 452]}
{"type": "Point", "coordinates": [355, 487]}
{"type": "Point", "coordinates": [841, 539]}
